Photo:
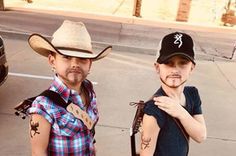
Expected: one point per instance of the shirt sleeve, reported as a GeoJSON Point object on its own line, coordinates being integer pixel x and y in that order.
{"type": "Point", "coordinates": [40, 106]}
{"type": "Point", "coordinates": [197, 109]}
{"type": "Point", "coordinates": [151, 109]}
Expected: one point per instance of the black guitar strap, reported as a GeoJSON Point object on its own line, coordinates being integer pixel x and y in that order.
{"type": "Point", "coordinates": [21, 109]}
{"type": "Point", "coordinates": [185, 134]}
{"type": "Point", "coordinates": [55, 97]}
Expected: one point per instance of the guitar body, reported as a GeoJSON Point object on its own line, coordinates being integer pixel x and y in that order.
{"type": "Point", "coordinates": [21, 108]}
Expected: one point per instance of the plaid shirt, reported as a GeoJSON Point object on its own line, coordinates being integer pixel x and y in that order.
{"type": "Point", "coordinates": [69, 135]}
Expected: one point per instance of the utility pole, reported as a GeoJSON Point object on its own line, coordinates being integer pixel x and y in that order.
{"type": "Point", "coordinates": [137, 8]}
{"type": "Point", "coordinates": [1, 5]}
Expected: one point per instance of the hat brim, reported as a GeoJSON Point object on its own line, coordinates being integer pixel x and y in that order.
{"type": "Point", "coordinates": [164, 59]}
{"type": "Point", "coordinates": [42, 46]}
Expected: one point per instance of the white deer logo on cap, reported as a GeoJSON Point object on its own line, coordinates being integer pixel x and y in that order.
{"type": "Point", "coordinates": [178, 40]}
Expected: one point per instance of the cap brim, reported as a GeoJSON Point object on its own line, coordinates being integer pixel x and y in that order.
{"type": "Point", "coordinates": [163, 60]}
{"type": "Point", "coordinates": [43, 47]}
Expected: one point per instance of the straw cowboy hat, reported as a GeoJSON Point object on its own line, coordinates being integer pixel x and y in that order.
{"type": "Point", "coordinates": [70, 39]}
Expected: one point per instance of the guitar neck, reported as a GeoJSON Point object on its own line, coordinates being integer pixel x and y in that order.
{"type": "Point", "coordinates": [133, 146]}
{"type": "Point", "coordinates": [136, 125]}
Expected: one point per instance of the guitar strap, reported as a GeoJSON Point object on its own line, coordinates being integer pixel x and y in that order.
{"type": "Point", "coordinates": [70, 107]}
{"type": "Point", "coordinates": [55, 97]}
{"type": "Point", "coordinates": [185, 134]}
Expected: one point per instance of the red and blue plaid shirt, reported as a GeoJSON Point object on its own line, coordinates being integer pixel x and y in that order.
{"type": "Point", "coordinates": [69, 135]}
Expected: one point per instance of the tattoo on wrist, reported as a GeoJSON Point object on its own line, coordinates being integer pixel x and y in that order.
{"type": "Point", "coordinates": [145, 142]}
{"type": "Point", "coordinates": [34, 128]}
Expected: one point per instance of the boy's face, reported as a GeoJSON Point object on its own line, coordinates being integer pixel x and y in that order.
{"type": "Point", "coordinates": [71, 70]}
{"type": "Point", "coordinates": [175, 71]}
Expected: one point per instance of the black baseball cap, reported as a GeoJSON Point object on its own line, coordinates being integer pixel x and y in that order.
{"type": "Point", "coordinates": [174, 44]}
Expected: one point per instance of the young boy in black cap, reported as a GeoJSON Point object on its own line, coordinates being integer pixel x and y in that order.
{"type": "Point", "coordinates": [174, 114]}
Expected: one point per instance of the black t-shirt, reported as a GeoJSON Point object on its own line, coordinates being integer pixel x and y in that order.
{"type": "Point", "coordinates": [171, 141]}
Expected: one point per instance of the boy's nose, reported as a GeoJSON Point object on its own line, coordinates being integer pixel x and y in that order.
{"type": "Point", "coordinates": [175, 67]}
{"type": "Point", "coordinates": [75, 61]}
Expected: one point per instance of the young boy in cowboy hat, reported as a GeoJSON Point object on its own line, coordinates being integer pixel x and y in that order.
{"type": "Point", "coordinates": [174, 114]}
{"type": "Point", "coordinates": [55, 130]}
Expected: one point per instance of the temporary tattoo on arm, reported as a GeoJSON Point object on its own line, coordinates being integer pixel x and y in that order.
{"type": "Point", "coordinates": [145, 142]}
{"type": "Point", "coordinates": [34, 128]}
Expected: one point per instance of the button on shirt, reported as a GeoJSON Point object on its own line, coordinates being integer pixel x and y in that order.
{"type": "Point", "coordinates": [69, 135]}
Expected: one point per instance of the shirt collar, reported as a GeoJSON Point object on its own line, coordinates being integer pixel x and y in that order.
{"type": "Point", "coordinates": [66, 93]}
{"type": "Point", "coordinates": [59, 87]}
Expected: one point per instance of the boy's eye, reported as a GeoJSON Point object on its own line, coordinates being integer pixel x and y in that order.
{"type": "Point", "coordinates": [183, 62]}
{"type": "Point", "coordinates": [66, 57]}
{"type": "Point", "coordinates": [169, 63]}
{"type": "Point", "coordinates": [84, 59]}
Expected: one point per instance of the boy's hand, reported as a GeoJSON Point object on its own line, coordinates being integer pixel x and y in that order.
{"type": "Point", "coordinates": [170, 106]}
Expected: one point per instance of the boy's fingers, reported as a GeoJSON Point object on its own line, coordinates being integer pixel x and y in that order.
{"type": "Point", "coordinates": [160, 104]}
{"type": "Point", "coordinates": [163, 99]}
{"type": "Point", "coordinates": [160, 98]}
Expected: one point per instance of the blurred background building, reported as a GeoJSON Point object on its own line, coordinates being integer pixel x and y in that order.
{"type": "Point", "coordinates": [208, 12]}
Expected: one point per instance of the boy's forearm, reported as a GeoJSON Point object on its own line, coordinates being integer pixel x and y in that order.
{"type": "Point", "coordinates": [194, 126]}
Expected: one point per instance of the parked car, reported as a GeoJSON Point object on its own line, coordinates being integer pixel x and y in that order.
{"type": "Point", "coordinates": [3, 62]}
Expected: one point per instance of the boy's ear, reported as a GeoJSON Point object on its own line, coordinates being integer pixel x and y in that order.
{"type": "Point", "coordinates": [51, 59]}
{"type": "Point", "coordinates": [192, 67]}
{"type": "Point", "coordinates": [157, 67]}
{"type": "Point", "coordinates": [90, 64]}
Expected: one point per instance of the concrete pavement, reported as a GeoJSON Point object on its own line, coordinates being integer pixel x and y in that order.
{"type": "Point", "coordinates": [216, 81]}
